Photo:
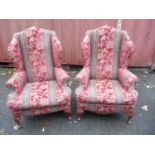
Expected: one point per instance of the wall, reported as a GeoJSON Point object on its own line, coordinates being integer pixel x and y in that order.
{"type": "Point", "coordinates": [71, 33]}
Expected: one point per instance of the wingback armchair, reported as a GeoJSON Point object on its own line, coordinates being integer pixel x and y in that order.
{"type": "Point", "coordinates": [106, 85]}
{"type": "Point", "coordinates": [39, 84]}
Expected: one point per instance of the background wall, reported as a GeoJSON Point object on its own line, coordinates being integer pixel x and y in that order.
{"type": "Point", "coordinates": [71, 33]}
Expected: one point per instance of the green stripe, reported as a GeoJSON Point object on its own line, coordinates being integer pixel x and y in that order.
{"type": "Point", "coordinates": [52, 95]}
{"type": "Point", "coordinates": [25, 96]}
{"type": "Point", "coordinates": [93, 54]}
{"type": "Point", "coordinates": [115, 65]}
{"type": "Point", "coordinates": [118, 92]}
{"type": "Point", "coordinates": [25, 54]}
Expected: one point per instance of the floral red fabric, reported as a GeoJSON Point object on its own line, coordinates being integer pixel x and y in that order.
{"type": "Point", "coordinates": [39, 82]}
{"type": "Point", "coordinates": [106, 84]}
{"type": "Point", "coordinates": [17, 82]}
{"type": "Point", "coordinates": [40, 95]}
{"type": "Point", "coordinates": [126, 78]}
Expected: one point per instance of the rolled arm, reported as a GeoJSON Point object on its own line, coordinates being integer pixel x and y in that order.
{"type": "Point", "coordinates": [17, 82]}
{"type": "Point", "coordinates": [126, 78]}
{"type": "Point", "coordinates": [61, 76]}
{"type": "Point", "coordinates": [83, 77]}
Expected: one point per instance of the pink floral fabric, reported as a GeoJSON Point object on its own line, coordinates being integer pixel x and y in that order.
{"type": "Point", "coordinates": [104, 92]}
{"type": "Point", "coordinates": [37, 51]}
{"type": "Point", "coordinates": [126, 78]}
{"type": "Point", "coordinates": [106, 96]}
{"type": "Point", "coordinates": [17, 82]}
{"type": "Point", "coordinates": [106, 85]}
{"type": "Point", "coordinates": [39, 95]}
{"type": "Point", "coordinates": [39, 83]}
{"type": "Point", "coordinates": [61, 76]}
{"type": "Point", "coordinates": [85, 46]}
{"type": "Point", "coordinates": [83, 77]}
{"type": "Point", "coordinates": [15, 54]}
{"type": "Point", "coordinates": [106, 59]}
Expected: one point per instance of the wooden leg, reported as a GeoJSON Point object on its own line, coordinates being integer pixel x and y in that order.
{"type": "Point", "coordinates": [68, 112]}
{"type": "Point", "coordinates": [79, 116]}
{"type": "Point", "coordinates": [17, 116]}
{"type": "Point", "coordinates": [80, 112]}
{"type": "Point", "coordinates": [130, 115]}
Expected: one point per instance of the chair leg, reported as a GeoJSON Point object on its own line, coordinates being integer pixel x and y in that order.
{"type": "Point", "coordinates": [130, 115]}
{"type": "Point", "coordinates": [80, 112]}
{"type": "Point", "coordinates": [68, 112]}
{"type": "Point", "coordinates": [17, 116]}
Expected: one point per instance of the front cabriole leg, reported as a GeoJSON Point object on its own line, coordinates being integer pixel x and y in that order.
{"type": "Point", "coordinates": [68, 112]}
{"type": "Point", "coordinates": [130, 115]}
{"type": "Point", "coordinates": [17, 116]}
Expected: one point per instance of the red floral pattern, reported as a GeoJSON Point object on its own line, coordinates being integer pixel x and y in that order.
{"type": "Point", "coordinates": [39, 83]}
{"type": "Point", "coordinates": [105, 51]}
{"type": "Point", "coordinates": [112, 87]}
{"type": "Point", "coordinates": [104, 93]}
{"type": "Point", "coordinates": [17, 82]}
{"type": "Point", "coordinates": [126, 78]}
{"type": "Point", "coordinates": [61, 76]}
{"type": "Point", "coordinates": [83, 77]}
{"type": "Point", "coordinates": [37, 95]}
{"type": "Point", "coordinates": [105, 54]}
{"type": "Point", "coordinates": [15, 54]}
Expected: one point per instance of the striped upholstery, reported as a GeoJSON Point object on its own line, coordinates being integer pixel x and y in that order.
{"type": "Point", "coordinates": [108, 86]}
{"type": "Point", "coordinates": [39, 83]}
{"type": "Point", "coordinates": [106, 92]}
{"type": "Point", "coordinates": [37, 53]}
{"type": "Point", "coordinates": [96, 41]}
{"type": "Point", "coordinates": [39, 95]}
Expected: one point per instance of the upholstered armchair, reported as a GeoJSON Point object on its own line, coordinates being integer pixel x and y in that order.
{"type": "Point", "coordinates": [39, 84]}
{"type": "Point", "coordinates": [106, 86]}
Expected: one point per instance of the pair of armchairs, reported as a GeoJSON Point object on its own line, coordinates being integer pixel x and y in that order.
{"type": "Point", "coordinates": [39, 84]}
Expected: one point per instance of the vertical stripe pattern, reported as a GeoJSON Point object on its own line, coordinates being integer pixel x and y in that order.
{"type": "Point", "coordinates": [115, 65]}
{"type": "Point", "coordinates": [25, 54]}
{"type": "Point", "coordinates": [52, 97]}
{"type": "Point", "coordinates": [93, 54]}
{"type": "Point", "coordinates": [49, 53]}
{"type": "Point", "coordinates": [25, 96]}
{"type": "Point", "coordinates": [118, 93]}
{"type": "Point", "coordinates": [92, 91]}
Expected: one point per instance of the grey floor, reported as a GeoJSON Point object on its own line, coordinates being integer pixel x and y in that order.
{"type": "Point", "coordinates": [91, 124]}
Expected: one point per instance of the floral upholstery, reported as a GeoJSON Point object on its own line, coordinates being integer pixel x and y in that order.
{"type": "Point", "coordinates": [39, 84]}
{"type": "Point", "coordinates": [106, 85]}
{"type": "Point", "coordinates": [40, 95]}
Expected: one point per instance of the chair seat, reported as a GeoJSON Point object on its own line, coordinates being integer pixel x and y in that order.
{"type": "Point", "coordinates": [40, 95]}
{"type": "Point", "coordinates": [106, 92]}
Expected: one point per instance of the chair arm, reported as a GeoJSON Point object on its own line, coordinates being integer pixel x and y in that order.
{"type": "Point", "coordinates": [61, 76]}
{"type": "Point", "coordinates": [83, 77]}
{"type": "Point", "coordinates": [126, 78]}
{"type": "Point", "coordinates": [17, 82]}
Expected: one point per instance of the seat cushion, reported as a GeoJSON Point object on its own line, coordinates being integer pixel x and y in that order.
{"type": "Point", "coordinates": [40, 95]}
{"type": "Point", "coordinates": [106, 92]}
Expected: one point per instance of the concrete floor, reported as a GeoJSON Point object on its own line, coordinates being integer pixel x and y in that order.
{"type": "Point", "coordinates": [91, 124]}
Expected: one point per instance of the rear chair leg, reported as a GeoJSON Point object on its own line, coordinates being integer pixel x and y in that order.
{"type": "Point", "coordinates": [17, 116]}
{"type": "Point", "coordinates": [130, 115]}
{"type": "Point", "coordinates": [79, 114]}
{"type": "Point", "coordinates": [68, 112]}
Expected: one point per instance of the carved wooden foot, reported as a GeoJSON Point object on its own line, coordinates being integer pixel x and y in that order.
{"type": "Point", "coordinates": [17, 116]}
{"type": "Point", "coordinates": [17, 125]}
{"type": "Point", "coordinates": [69, 115]}
{"type": "Point", "coordinates": [68, 112]}
{"type": "Point", "coordinates": [130, 115]}
{"type": "Point", "coordinates": [79, 115]}
{"type": "Point", "coordinates": [80, 112]}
